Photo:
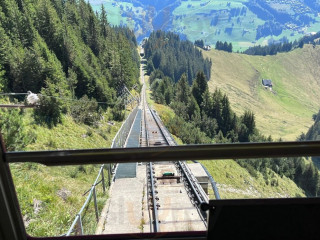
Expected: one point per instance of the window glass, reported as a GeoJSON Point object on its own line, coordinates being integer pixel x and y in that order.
{"type": "Point", "coordinates": [119, 198]}
{"type": "Point", "coordinates": [126, 74]}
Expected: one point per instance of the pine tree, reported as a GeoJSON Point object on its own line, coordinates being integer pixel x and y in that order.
{"type": "Point", "coordinates": [193, 109]}
{"type": "Point", "coordinates": [13, 130]}
{"type": "Point", "coordinates": [50, 107]}
{"type": "Point", "coordinates": [199, 86]}
{"type": "Point", "coordinates": [216, 106]}
{"type": "Point", "coordinates": [183, 90]}
{"type": "Point", "coordinates": [227, 116]}
{"type": "Point", "coordinates": [230, 47]}
{"type": "Point", "coordinates": [249, 121]}
{"type": "Point", "coordinates": [104, 25]}
{"type": "Point", "coordinates": [207, 103]}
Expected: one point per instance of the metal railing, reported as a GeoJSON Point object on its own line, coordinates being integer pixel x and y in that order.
{"type": "Point", "coordinates": [120, 139]}
{"type": "Point", "coordinates": [77, 226]}
{"type": "Point", "coordinates": [118, 142]}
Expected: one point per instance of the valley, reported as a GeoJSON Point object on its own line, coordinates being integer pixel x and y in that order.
{"type": "Point", "coordinates": [243, 22]}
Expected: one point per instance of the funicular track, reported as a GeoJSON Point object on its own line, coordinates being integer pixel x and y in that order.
{"type": "Point", "coordinates": [173, 200]}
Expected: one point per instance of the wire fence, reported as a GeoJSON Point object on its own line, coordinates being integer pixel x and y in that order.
{"type": "Point", "coordinates": [121, 137]}
{"type": "Point", "coordinates": [77, 226]}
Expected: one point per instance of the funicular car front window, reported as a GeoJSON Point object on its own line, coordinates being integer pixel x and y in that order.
{"type": "Point", "coordinates": [106, 89]}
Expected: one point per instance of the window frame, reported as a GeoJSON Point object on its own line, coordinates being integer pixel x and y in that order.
{"type": "Point", "coordinates": [11, 222]}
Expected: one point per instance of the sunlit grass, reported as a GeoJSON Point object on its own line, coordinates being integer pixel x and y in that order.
{"type": "Point", "coordinates": [71, 135]}
{"type": "Point", "coordinates": [58, 191]}
{"type": "Point", "coordinates": [283, 113]}
{"type": "Point", "coordinates": [50, 197]}
{"type": "Point", "coordinates": [236, 182]}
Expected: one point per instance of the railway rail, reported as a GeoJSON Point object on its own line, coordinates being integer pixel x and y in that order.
{"type": "Point", "coordinates": [167, 213]}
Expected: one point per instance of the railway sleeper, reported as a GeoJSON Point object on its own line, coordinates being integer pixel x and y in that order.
{"type": "Point", "coordinates": [178, 178]}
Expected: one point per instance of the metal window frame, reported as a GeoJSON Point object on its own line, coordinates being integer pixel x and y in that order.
{"type": "Point", "coordinates": [11, 222]}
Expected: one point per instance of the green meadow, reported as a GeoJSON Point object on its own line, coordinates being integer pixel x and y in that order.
{"type": "Point", "coordinates": [286, 110]}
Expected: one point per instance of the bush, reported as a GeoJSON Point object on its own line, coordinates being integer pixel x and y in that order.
{"type": "Point", "coordinates": [49, 110]}
{"type": "Point", "coordinates": [187, 131]}
{"type": "Point", "coordinates": [118, 112]}
{"type": "Point", "coordinates": [13, 130]}
{"type": "Point", "coordinates": [85, 111]}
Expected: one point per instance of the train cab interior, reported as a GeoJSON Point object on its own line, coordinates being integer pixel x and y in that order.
{"type": "Point", "coordinates": [286, 218]}
{"type": "Point", "coordinates": [279, 218]}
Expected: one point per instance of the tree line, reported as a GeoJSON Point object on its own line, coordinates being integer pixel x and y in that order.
{"type": "Point", "coordinates": [204, 117]}
{"type": "Point", "coordinates": [210, 114]}
{"type": "Point", "coordinates": [313, 134]}
{"type": "Point", "coordinates": [224, 46]}
{"type": "Point", "coordinates": [284, 46]}
{"type": "Point", "coordinates": [304, 173]}
{"type": "Point", "coordinates": [174, 57]}
{"type": "Point", "coordinates": [64, 50]}
{"type": "Point", "coordinates": [199, 43]}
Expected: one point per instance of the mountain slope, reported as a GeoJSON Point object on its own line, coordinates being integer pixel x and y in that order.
{"type": "Point", "coordinates": [233, 180]}
{"type": "Point", "coordinates": [243, 22]}
{"type": "Point", "coordinates": [61, 50]}
{"type": "Point", "coordinates": [287, 110]}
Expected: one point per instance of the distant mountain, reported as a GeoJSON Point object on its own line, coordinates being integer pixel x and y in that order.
{"type": "Point", "coordinates": [244, 22]}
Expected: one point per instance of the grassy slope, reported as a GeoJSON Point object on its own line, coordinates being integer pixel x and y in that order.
{"type": "Point", "coordinates": [59, 192]}
{"type": "Point", "coordinates": [197, 18]}
{"type": "Point", "coordinates": [71, 135]}
{"type": "Point", "coordinates": [236, 182]}
{"type": "Point", "coordinates": [35, 182]}
{"type": "Point", "coordinates": [233, 180]}
{"type": "Point", "coordinates": [285, 113]}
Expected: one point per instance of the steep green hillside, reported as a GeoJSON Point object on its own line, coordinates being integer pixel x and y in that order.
{"type": "Point", "coordinates": [287, 110]}
{"type": "Point", "coordinates": [72, 135]}
{"type": "Point", "coordinates": [50, 197]}
{"type": "Point", "coordinates": [78, 65]}
{"type": "Point", "coordinates": [233, 180]}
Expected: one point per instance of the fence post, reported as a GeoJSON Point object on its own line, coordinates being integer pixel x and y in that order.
{"type": "Point", "coordinates": [109, 174]}
{"type": "Point", "coordinates": [103, 183]}
{"type": "Point", "coordinates": [95, 203]}
{"type": "Point", "coordinates": [79, 228]}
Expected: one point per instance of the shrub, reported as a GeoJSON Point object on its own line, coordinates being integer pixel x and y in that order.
{"type": "Point", "coordinates": [85, 111]}
{"type": "Point", "coordinates": [118, 112]}
{"type": "Point", "coordinates": [13, 130]}
{"type": "Point", "coordinates": [49, 110]}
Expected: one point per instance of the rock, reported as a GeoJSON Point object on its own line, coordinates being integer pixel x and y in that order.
{"type": "Point", "coordinates": [26, 220]}
{"type": "Point", "coordinates": [110, 123]}
{"type": "Point", "coordinates": [37, 205]}
{"type": "Point", "coordinates": [64, 193]}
